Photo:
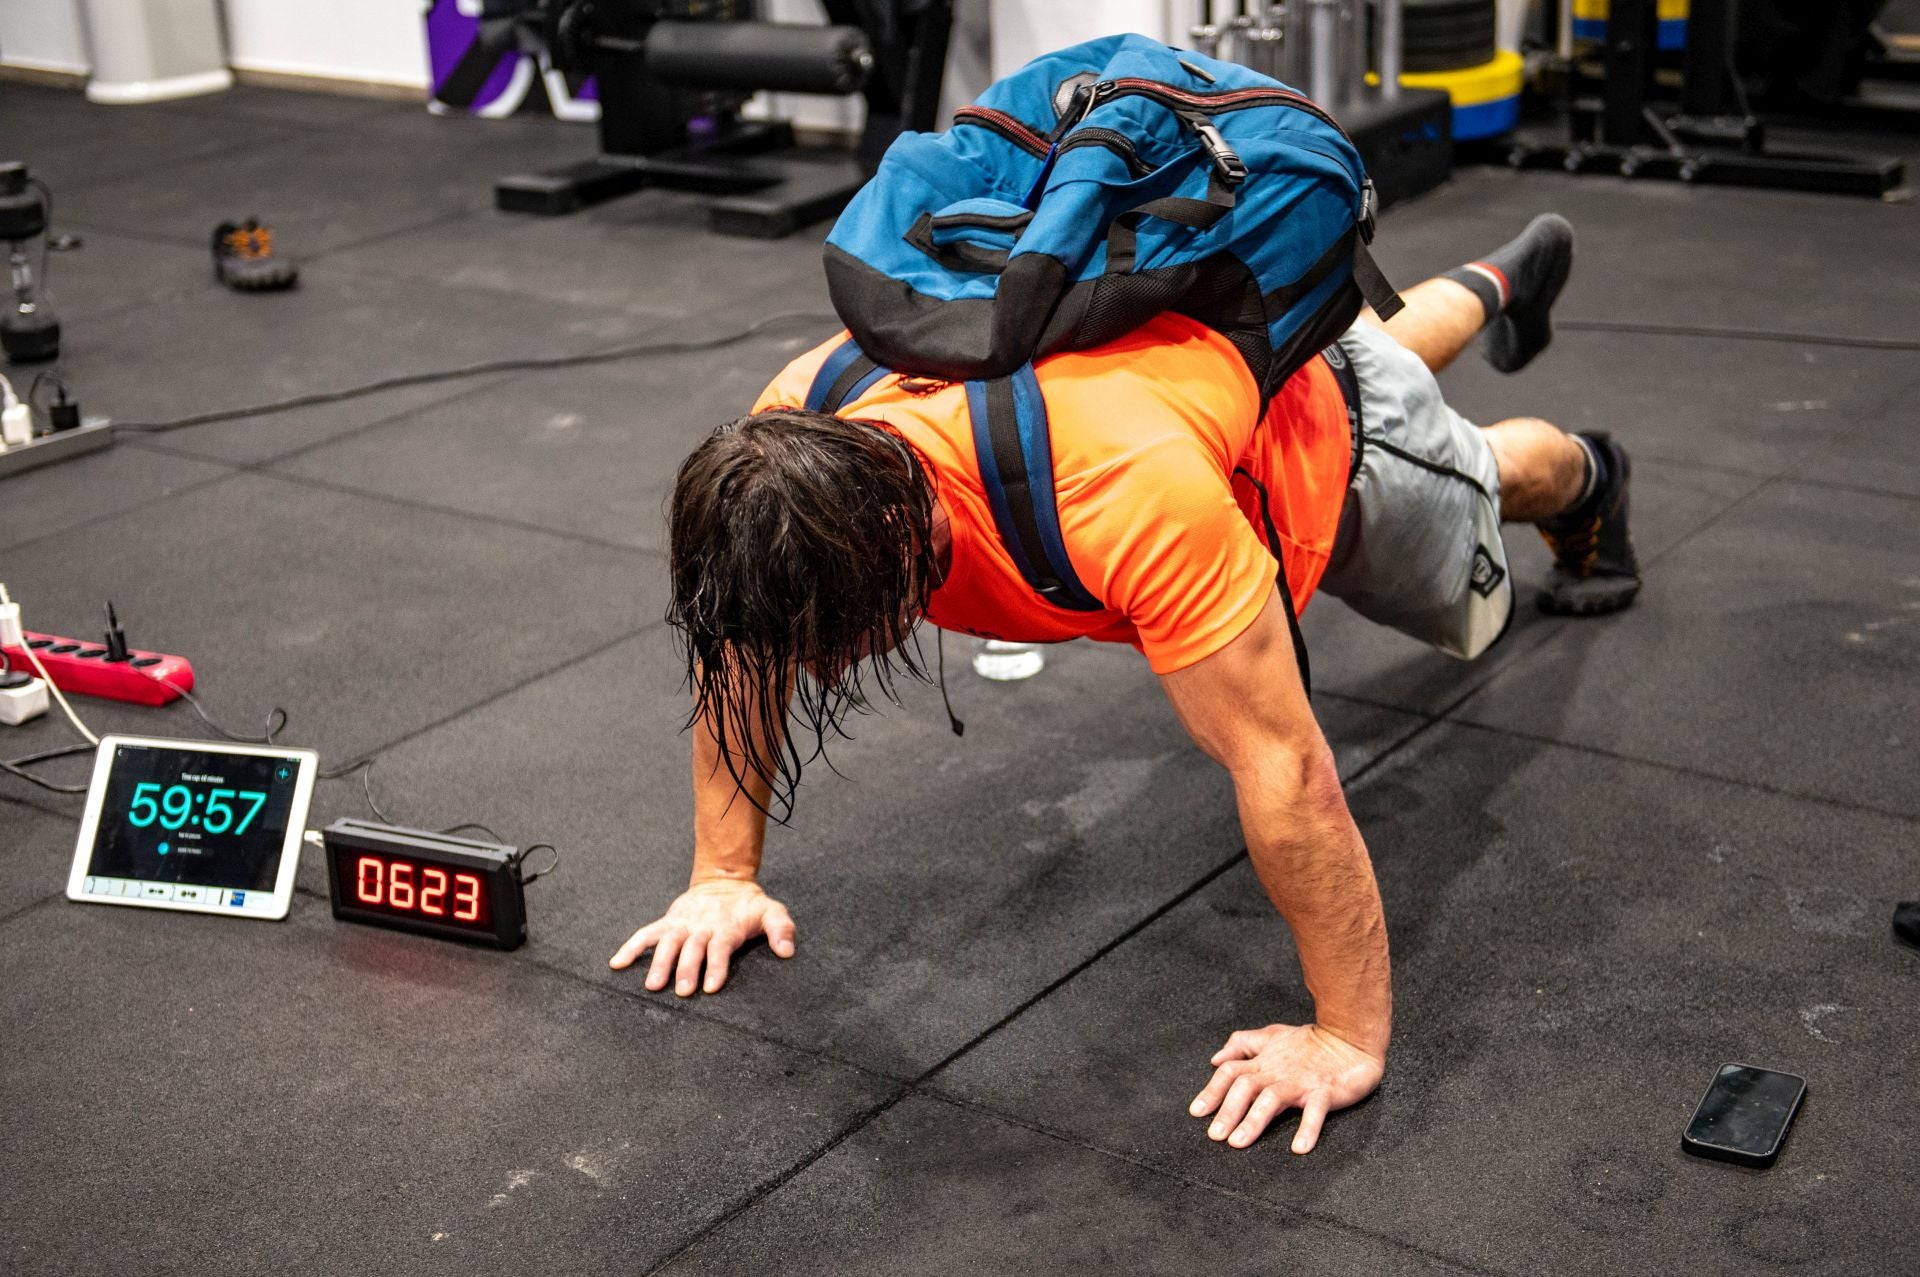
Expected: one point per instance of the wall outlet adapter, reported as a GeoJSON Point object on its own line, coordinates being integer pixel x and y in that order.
{"type": "Point", "coordinates": [21, 697]}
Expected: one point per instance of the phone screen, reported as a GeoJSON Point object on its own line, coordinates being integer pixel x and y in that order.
{"type": "Point", "coordinates": [1746, 1110]}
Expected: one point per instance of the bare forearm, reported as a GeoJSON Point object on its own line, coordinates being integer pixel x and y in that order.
{"type": "Point", "coordinates": [729, 823]}
{"type": "Point", "coordinates": [1314, 865]}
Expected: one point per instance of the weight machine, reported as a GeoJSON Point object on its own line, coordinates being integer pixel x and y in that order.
{"type": "Point", "coordinates": [1711, 135]}
{"type": "Point", "coordinates": [673, 75]}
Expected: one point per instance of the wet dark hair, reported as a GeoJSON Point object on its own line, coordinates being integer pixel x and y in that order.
{"type": "Point", "coordinates": [802, 559]}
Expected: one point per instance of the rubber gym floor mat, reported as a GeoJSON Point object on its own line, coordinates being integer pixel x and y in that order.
{"type": "Point", "coordinates": [1782, 650]}
{"type": "Point", "coordinates": [1354, 657]}
{"type": "Point", "coordinates": [205, 1094]}
{"type": "Point", "coordinates": [932, 1188]}
{"type": "Point", "coordinates": [38, 850]}
{"type": "Point", "coordinates": [1660, 253]}
{"type": "Point", "coordinates": [326, 190]}
{"type": "Point", "coordinates": [74, 144]}
{"type": "Point", "coordinates": [99, 485]}
{"type": "Point", "coordinates": [625, 255]}
{"type": "Point", "coordinates": [339, 329]}
{"type": "Point", "coordinates": [1580, 939]}
{"type": "Point", "coordinates": [1758, 407]}
{"type": "Point", "coordinates": [590, 451]}
{"type": "Point", "coordinates": [365, 619]}
{"type": "Point", "coordinates": [1578, 944]}
{"type": "Point", "coordinates": [936, 888]}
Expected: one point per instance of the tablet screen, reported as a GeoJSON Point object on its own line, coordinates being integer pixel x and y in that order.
{"type": "Point", "coordinates": [193, 816]}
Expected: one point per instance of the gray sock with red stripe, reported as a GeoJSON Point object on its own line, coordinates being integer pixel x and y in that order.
{"type": "Point", "coordinates": [1518, 283]}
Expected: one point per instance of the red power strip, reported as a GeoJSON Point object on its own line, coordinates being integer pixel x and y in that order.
{"type": "Point", "coordinates": [145, 678]}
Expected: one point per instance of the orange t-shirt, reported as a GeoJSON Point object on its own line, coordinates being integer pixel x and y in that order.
{"type": "Point", "coordinates": [1148, 433]}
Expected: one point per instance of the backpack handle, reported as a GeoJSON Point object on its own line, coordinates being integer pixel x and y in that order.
{"type": "Point", "coordinates": [964, 255]}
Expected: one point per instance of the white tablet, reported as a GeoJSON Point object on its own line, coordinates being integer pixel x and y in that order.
{"type": "Point", "coordinates": [199, 825]}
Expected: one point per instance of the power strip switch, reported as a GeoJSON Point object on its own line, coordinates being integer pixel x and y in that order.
{"type": "Point", "coordinates": [22, 697]}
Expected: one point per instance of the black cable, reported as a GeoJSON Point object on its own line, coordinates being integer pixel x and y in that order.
{"type": "Point", "coordinates": [366, 782]}
{"type": "Point", "coordinates": [1735, 334]}
{"type": "Point", "coordinates": [366, 787]}
{"type": "Point", "coordinates": [17, 767]}
{"type": "Point", "coordinates": [531, 879]}
{"type": "Point", "coordinates": [46, 236]}
{"type": "Point", "coordinates": [471, 370]}
{"type": "Point", "coordinates": [31, 779]}
{"type": "Point", "coordinates": [474, 824]}
{"type": "Point", "coordinates": [265, 738]}
{"type": "Point", "coordinates": [346, 769]}
{"type": "Point", "coordinates": [65, 751]}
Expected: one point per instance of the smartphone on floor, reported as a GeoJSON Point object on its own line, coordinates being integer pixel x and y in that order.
{"type": "Point", "coordinates": [1744, 1115]}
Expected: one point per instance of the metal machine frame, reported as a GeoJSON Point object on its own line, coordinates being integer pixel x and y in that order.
{"type": "Point", "coordinates": [1713, 136]}
{"type": "Point", "coordinates": [767, 187]}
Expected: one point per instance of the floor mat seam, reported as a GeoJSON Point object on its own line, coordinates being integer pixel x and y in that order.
{"type": "Point", "coordinates": [232, 472]}
{"type": "Point", "coordinates": [548, 671]}
{"type": "Point", "coordinates": [760, 1192]}
{"type": "Point", "coordinates": [427, 507]}
{"type": "Point", "coordinates": [1296, 1213]}
{"type": "Point", "coordinates": [687, 1008]}
{"type": "Point", "coordinates": [1696, 773]}
{"type": "Point", "coordinates": [1155, 915]}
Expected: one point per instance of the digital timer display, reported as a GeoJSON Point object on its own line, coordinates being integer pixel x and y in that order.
{"type": "Point", "coordinates": [418, 880]}
{"type": "Point", "coordinates": [187, 816]}
{"type": "Point", "coordinates": [408, 889]}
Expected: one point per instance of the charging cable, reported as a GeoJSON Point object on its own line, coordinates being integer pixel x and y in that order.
{"type": "Point", "coordinates": [11, 635]}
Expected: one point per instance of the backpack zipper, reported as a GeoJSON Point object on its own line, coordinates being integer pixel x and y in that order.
{"type": "Point", "coordinates": [1023, 136]}
{"type": "Point", "coordinates": [1193, 110]}
{"type": "Point", "coordinates": [1208, 103]}
{"type": "Point", "coordinates": [1110, 139]}
{"type": "Point", "coordinates": [1034, 142]}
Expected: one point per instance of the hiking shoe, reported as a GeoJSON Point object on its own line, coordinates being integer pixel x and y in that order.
{"type": "Point", "coordinates": [1594, 567]}
{"type": "Point", "coordinates": [243, 258]}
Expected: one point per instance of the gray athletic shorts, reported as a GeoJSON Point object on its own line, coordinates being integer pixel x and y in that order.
{"type": "Point", "coordinates": [1419, 544]}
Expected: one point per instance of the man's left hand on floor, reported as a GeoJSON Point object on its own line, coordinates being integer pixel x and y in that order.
{"type": "Point", "coordinates": [1260, 1073]}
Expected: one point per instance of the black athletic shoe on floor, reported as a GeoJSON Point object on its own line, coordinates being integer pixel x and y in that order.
{"type": "Point", "coordinates": [1594, 567]}
{"type": "Point", "coordinates": [243, 258]}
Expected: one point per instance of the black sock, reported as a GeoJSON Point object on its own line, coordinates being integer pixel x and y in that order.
{"type": "Point", "coordinates": [1517, 283]}
{"type": "Point", "coordinates": [1592, 485]}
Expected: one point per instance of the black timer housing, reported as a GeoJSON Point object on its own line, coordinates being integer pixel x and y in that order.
{"type": "Point", "coordinates": [426, 882]}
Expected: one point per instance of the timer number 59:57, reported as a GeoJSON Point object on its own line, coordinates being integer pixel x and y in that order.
{"type": "Point", "coordinates": [175, 808]}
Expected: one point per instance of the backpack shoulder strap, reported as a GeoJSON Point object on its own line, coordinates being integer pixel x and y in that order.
{"type": "Point", "coordinates": [1015, 452]}
{"type": "Point", "coordinates": [1372, 281]}
{"type": "Point", "coordinates": [1011, 440]}
{"type": "Point", "coordinates": [843, 378]}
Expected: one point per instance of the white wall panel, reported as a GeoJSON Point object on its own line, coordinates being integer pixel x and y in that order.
{"type": "Point", "coordinates": [1024, 29]}
{"type": "Point", "coordinates": [383, 41]}
{"type": "Point", "coordinates": [46, 35]}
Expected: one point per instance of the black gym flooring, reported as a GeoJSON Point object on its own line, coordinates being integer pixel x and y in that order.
{"type": "Point", "coordinates": [1614, 853]}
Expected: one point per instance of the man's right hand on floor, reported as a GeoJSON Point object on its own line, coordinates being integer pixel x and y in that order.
{"type": "Point", "coordinates": [704, 927]}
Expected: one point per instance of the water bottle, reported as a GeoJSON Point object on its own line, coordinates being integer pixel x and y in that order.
{"type": "Point", "coordinates": [1006, 662]}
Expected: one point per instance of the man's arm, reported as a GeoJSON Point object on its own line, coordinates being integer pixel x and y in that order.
{"type": "Point", "coordinates": [723, 907]}
{"type": "Point", "coordinates": [1245, 707]}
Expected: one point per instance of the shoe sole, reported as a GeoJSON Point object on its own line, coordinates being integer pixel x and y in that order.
{"type": "Point", "coordinates": [1598, 605]}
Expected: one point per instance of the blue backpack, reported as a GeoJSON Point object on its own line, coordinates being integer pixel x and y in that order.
{"type": "Point", "coordinates": [1086, 193]}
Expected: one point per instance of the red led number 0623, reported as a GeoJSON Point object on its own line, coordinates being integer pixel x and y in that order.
{"type": "Point", "coordinates": [397, 887]}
